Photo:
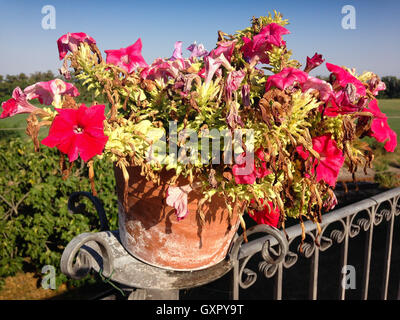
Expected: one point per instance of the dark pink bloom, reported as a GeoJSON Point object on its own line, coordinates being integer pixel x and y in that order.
{"type": "Point", "coordinates": [71, 42]}
{"type": "Point", "coordinates": [48, 91]}
{"type": "Point", "coordinates": [177, 197]}
{"type": "Point", "coordinates": [286, 78]}
{"type": "Point", "coordinates": [16, 105]}
{"type": "Point", "coordinates": [246, 171]}
{"type": "Point", "coordinates": [313, 62]}
{"type": "Point", "coordinates": [127, 58]}
{"type": "Point", "coordinates": [78, 132]}
{"type": "Point", "coordinates": [269, 215]}
{"type": "Point", "coordinates": [274, 33]}
{"type": "Point", "coordinates": [324, 88]}
{"type": "Point", "coordinates": [343, 77]}
{"type": "Point", "coordinates": [261, 43]}
{"type": "Point", "coordinates": [380, 129]}
{"type": "Point", "coordinates": [330, 162]}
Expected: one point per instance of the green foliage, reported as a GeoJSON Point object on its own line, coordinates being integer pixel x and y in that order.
{"type": "Point", "coordinates": [35, 225]}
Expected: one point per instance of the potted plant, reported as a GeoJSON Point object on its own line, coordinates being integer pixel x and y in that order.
{"type": "Point", "coordinates": [198, 142]}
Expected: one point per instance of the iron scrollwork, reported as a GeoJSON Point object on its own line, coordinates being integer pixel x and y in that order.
{"type": "Point", "coordinates": [271, 257]}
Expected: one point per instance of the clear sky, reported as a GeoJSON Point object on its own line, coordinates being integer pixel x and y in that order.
{"type": "Point", "coordinates": [315, 25]}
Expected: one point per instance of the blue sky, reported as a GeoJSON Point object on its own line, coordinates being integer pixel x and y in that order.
{"type": "Point", "coordinates": [315, 26]}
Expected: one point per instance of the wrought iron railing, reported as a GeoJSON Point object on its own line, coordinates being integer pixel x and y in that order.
{"type": "Point", "coordinates": [338, 226]}
{"type": "Point", "coordinates": [103, 252]}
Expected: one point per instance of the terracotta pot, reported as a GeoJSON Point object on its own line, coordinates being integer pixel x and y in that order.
{"type": "Point", "coordinates": [150, 231]}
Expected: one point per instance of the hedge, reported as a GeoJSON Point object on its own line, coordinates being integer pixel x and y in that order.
{"type": "Point", "coordinates": [35, 224]}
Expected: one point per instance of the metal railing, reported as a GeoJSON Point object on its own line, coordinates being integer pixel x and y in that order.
{"type": "Point", "coordinates": [338, 226]}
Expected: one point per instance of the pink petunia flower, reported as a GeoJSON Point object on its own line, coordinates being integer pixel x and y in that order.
{"type": "Point", "coordinates": [71, 42]}
{"type": "Point", "coordinates": [343, 78]}
{"type": "Point", "coordinates": [78, 132]}
{"type": "Point", "coordinates": [49, 91]}
{"type": "Point", "coordinates": [269, 215]}
{"type": "Point", "coordinates": [17, 104]}
{"type": "Point", "coordinates": [246, 171]}
{"type": "Point", "coordinates": [313, 62]}
{"type": "Point", "coordinates": [225, 48]}
{"type": "Point", "coordinates": [324, 88]}
{"type": "Point", "coordinates": [380, 129]}
{"type": "Point", "coordinates": [330, 162]}
{"type": "Point", "coordinates": [286, 78]}
{"type": "Point", "coordinates": [128, 58]}
{"type": "Point", "coordinates": [177, 197]}
{"type": "Point", "coordinates": [261, 43]}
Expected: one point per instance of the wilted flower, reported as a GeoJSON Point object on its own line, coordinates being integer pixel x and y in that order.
{"type": "Point", "coordinates": [177, 197]}
{"type": "Point", "coordinates": [177, 54]}
{"type": "Point", "coordinates": [197, 50]}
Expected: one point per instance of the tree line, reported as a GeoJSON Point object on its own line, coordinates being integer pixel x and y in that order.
{"type": "Point", "coordinates": [9, 82]}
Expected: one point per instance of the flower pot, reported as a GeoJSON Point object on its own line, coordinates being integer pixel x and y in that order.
{"type": "Point", "coordinates": [150, 231]}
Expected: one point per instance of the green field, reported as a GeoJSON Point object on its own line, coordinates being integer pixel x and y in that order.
{"type": "Point", "coordinates": [392, 109]}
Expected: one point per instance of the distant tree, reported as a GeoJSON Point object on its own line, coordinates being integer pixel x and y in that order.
{"type": "Point", "coordinates": [392, 88]}
{"type": "Point", "coordinates": [10, 82]}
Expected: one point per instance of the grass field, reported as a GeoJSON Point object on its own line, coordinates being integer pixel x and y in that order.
{"type": "Point", "coordinates": [392, 109]}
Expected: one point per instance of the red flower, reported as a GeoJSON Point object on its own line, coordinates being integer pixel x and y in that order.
{"type": "Point", "coordinates": [313, 62]}
{"type": "Point", "coordinates": [16, 105]}
{"type": "Point", "coordinates": [330, 162]}
{"type": "Point", "coordinates": [71, 42]}
{"type": "Point", "coordinates": [381, 131]}
{"type": "Point", "coordinates": [78, 132]}
{"type": "Point", "coordinates": [127, 58]}
{"type": "Point", "coordinates": [269, 215]}
{"type": "Point", "coordinates": [246, 172]}
{"type": "Point", "coordinates": [286, 78]}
